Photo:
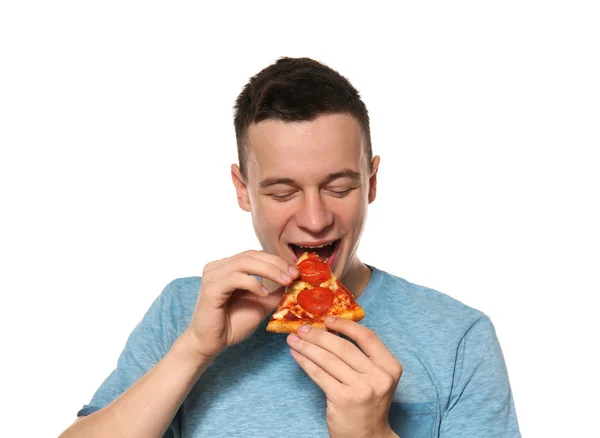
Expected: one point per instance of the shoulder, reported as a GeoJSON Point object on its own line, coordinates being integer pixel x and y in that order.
{"type": "Point", "coordinates": [436, 337]}
{"type": "Point", "coordinates": [432, 311]}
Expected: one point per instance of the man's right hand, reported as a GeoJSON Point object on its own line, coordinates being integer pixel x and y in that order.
{"type": "Point", "coordinates": [232, 302]}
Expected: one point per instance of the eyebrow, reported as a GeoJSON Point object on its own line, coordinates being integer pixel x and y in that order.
{"type": "Point", "coordinates": [268, 182]}
{"type": "Point", "coordinates": [346, 173]}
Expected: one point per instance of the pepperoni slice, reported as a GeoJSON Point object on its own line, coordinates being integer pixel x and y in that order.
{"type": "Point", "coordinates": [314, 271]}
{"type": "Point", "coordinates": [316, 301]}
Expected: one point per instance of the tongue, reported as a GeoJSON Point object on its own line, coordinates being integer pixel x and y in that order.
{"type": "Point", "coordinates": [324, 252]}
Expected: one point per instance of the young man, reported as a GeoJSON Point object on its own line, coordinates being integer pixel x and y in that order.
{"type": "Point", "coordinates": [201, 363]}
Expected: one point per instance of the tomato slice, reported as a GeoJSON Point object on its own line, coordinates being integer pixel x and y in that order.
{"type": "Point", "coordinates": [314, 271]}
{"type": "Point", "coordinates": [316, 301]}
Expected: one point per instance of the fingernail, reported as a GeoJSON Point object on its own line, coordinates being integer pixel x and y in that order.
{"type": "Point", "coordinates": [330, 320]}
{"type": "Point", "coordinates": [304, 329]}
{"type": "Point", "coordinates": [293, 271]}
{"type": "Point", "coordinates": [286, 278]}
{"type": "Point", "coordinates": [265, 291]}
{"type": "Point", "coordinates": [294, 337]}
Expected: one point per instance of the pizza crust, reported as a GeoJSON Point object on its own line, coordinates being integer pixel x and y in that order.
{"type": "Point", "coordinates": [285, 326]}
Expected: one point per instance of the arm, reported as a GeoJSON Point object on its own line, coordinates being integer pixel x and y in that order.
{"type": "Point", "coordinates": [149, 385]}
{"type": "Point", "coordinates": [148, 407]}
{"type": "Point", "coordinates": [480, 402]}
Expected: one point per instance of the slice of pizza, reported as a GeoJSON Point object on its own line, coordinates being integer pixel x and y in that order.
{"type": "Point", "coordinates": [314, 296]}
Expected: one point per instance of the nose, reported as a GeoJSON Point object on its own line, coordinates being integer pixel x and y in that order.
{"type": "Point", "coordinates": [314, 216]}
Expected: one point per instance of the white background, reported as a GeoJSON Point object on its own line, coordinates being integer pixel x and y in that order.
{"type": "Point", "coordinates": [116, 138]}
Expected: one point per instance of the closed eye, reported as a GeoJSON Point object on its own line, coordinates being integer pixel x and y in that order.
{"type": "Point", "coordinates": [284, 197]}
{"type": "Point", "coordinates": [288, 196]}
{"type": "Point", "coordinates": [341, 193]}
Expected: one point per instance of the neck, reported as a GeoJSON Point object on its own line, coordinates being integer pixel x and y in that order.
{"type": "Point", "coordinates": [357, 278]}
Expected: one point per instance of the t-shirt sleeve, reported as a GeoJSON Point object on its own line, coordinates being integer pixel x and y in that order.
{"type": "Point", "coordinates": [481, 402]}
{"type": "Point", "coordinates": [149, 342]}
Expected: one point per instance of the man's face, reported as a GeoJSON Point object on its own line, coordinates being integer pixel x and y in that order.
{"type": "Point", "coordinates": [308, 185]}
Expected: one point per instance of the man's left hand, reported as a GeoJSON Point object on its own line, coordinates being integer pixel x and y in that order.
{"type": "Point", "coordinates": [359, 383]}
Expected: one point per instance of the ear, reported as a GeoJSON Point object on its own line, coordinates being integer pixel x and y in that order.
{"type": "Point", "coordinates": [240, 188]}
{"type": "Point", "coordinates": [373, 178]}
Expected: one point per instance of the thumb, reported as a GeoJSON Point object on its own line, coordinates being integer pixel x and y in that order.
{"type": "Point", "coordinates": [271, 302]}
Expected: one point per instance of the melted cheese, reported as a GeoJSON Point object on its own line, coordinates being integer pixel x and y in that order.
{"type": "Point", "coordinates": [289, 302]}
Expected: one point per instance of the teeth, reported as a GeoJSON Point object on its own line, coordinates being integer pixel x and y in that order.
{"type": "Point", "coordinates": [314, 247]}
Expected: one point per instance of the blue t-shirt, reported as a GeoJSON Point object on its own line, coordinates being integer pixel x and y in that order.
{"type": "Point", "coordinates": [454, 382]}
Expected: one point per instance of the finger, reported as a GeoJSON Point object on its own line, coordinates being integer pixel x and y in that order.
{"type": "Point", "coordinates": [284, 265]}
{"type": "Point", "coordinates": [343, 349]}
{"type": "Point", "coordinates": [367, 340]}
{"type": "Point", "coordinates": [211, 266]}
{"type": "Point", "coordinates": [261, 255]}
{"type": "Point", "coordinates": [222, 290]}
{"type": "Point", "coordinates": [251, 265]}
{"type": "Point", "coordinates": [270, 302]}
{"type": "Point", "coordinates": [327, 383]}
{"type": "Point", "coordinates": [324, 359]}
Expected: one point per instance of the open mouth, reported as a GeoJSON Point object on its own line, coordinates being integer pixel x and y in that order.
{"type": "Point", "coordinates": [325, 251]}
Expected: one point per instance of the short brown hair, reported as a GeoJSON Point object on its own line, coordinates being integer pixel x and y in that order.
{"type": "Point", "coordinates": [296, 89]}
